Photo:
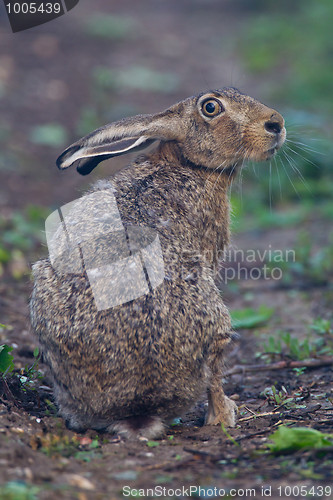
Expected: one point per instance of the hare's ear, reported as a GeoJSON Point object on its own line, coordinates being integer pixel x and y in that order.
{"type": "Point", "coordinates": [87, 153]}
{"type": "Point", "coordinates": [125, 136]}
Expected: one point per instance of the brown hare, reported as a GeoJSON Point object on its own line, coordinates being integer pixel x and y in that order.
{"type": "Point", "coordinates": [128, 316]}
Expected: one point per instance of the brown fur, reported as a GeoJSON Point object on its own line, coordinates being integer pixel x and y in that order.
{"type": "Point", "coordinates": [151, 358]}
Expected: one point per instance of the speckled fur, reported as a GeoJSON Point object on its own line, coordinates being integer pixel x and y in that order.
{"type": "Point", "coordinates": [132, 368]}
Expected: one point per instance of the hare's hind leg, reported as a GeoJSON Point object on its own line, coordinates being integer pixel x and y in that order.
{"type": "Point", "coordinates": [221, 409]}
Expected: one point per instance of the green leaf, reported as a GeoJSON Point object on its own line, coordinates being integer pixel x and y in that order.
{"type": "Point", "coordinates": [4, 255]}
{"type": "Point", "coordinates": [152, 444]}
{"type": "Point", "coordinates": [288, 439]}
{"type": "Point", "coordinates": [6, 359]}
{"type": "Point", "coordinates": [50, 134]}
{"type": "Point", "coordinates": [94, 444]}
{"type": "Point", "coordinates": [249, 318]}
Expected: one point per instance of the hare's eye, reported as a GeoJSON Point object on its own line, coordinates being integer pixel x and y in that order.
{"type": "Point", "coordinates": [211, 108]}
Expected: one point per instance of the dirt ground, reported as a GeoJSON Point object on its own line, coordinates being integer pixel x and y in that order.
{"type": "Point", "coordinates": [46, 72]}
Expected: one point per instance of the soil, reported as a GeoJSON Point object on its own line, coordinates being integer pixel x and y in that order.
{"type": "Point", "coordinates": [46, 75]}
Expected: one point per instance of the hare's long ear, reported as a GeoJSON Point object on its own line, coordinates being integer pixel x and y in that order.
{"type": "Point", "coordinates": [117, 139]}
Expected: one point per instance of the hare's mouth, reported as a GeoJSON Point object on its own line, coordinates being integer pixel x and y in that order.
{"type": "Point", "coordinates": [277, 144]}
{"type": "Point", "coordinates": [271, 152]}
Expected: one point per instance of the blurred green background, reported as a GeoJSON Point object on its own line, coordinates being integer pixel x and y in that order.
{"type": "Point", "coordinates": [112, 59]}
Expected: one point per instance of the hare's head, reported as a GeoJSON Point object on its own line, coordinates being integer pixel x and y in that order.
{"type": "Point", "coordinates": [215, 129]}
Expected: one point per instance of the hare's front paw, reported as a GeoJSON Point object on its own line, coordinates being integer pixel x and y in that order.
{"type": "Point", "coordinates": [221, 409]}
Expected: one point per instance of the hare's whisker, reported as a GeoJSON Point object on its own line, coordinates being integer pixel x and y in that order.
{"type": "Point", "coordinates": [305, 147]}
{"type": "Point", "coordinates": [291, 182]}
{"type": "Point", "coordinates": [279, 178]}
{"type": "Point", "coordinates": [297, 171]}
{"type": "Point", "coordinates": [270, 186]}
{"type": "Point", "coordinates": [303, 157]}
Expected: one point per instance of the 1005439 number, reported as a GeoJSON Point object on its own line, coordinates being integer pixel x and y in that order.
{"type": "Point", "coordinates": [297, 491]}
{"type": "Point", "coordinates": [33, 8]}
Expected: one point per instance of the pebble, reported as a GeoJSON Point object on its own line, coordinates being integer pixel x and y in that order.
{"type": "Point", "coordinates": [28, 474]}
{"type": "Point", "coordinates": [142, 438]}
{"type": "Point", "coordinates": [80, 482]}
{"type": "Point", "coordinates": [17, 430]}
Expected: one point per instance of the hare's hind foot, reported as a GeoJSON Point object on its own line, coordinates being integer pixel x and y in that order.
{"type": "Point", "coordinates": [141, 426]}
{"type": "Point", "coordinates": [221, 410]}
{"type": "Point", "coordinates": [129, 428]}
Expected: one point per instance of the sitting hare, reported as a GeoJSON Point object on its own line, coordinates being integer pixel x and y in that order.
{"type": "Point", "coordinates": [126, 310]}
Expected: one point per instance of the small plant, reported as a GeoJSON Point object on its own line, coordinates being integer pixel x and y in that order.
{"type": "Point", "coordinates": [6, 360]}
{"type": "Point", "coordinates": [299, 371]}
{"type": "Point", "coordinates": [276, 397]}
{"type": "Point", "coordinates": [30, 374]}
{"type": "Point", "coordinates": [319, 342]}
{"type": "Point", "coordinates": [322, 327]}
{"type": "Point", "coordinates": [279, 398]}
{"type": "Point", "coordinates": [284, 344]}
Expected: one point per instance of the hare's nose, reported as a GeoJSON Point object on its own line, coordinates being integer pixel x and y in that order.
{"type": "Point", "coordinates": [275, 124]}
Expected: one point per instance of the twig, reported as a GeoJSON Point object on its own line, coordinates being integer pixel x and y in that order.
{"type": "Point", "coordinates": [161, 465]}
{"type": "Point", "coordinates": [324, 421]}
{"type": "Point", "coordinates": [281, 365]}
{"type": "Point", "coordinates": [248, 436]}
{"type": "Point", "coordinates": [249, 410]}
{"type": "Point", "coordinates": [200, 453]}
{"type": "Point", "coordinates": [203, 455]}
{"type": "Point", "coordinates": [258, 415]}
